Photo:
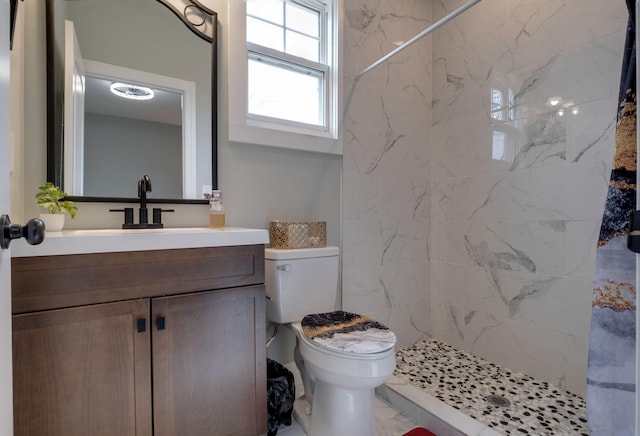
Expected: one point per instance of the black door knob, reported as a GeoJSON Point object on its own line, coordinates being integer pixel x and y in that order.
{"type": "Point", "coordinates": [33, 231]}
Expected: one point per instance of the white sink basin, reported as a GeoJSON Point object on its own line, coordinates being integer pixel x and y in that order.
{"type": "Point", "coordinates": [112, 240]}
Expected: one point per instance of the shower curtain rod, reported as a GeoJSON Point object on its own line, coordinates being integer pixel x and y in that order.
{"type": "Point", "coordinates": [420, 35]}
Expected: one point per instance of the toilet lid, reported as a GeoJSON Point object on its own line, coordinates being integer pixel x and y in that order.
{"type": "Point", "coordinates": [348, 332]}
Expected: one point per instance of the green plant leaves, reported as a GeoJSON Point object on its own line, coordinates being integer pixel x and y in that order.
{"type": "Point", "coordinates": [51, 198]}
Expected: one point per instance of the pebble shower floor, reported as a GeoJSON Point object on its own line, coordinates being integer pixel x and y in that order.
{"type": "Point", "coordinates": [507, 401]}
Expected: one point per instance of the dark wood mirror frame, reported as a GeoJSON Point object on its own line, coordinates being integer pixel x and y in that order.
{"type": "Point", "coordinates": [55, 104]}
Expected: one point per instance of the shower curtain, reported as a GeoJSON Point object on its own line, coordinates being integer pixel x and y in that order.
{"type": "Point", "coordinates": [611, 380]}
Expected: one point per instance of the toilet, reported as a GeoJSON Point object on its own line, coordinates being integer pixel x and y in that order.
{"type": "Point", "coordinates": [342, 357]}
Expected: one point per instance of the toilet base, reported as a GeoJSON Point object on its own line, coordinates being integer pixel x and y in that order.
{"type": "Point", "coordinates": [341, 412]}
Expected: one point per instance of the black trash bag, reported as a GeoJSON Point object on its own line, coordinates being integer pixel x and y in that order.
{"type": "Point", "coordinates": [281, 393]}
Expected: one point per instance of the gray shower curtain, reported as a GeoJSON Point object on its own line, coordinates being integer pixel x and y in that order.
{"type": "Point", "coordinates": [611, 380]}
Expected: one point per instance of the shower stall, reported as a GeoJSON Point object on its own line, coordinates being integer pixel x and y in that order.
{"type": "Point", "coordinates": [475, 169]}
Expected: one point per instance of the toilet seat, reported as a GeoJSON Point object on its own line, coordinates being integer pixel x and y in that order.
{"type": "Point", "coordinates": [346, 333]}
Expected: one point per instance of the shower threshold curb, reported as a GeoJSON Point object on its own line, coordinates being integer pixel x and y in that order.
{"type": "Point", "coordinates": [429, 412]}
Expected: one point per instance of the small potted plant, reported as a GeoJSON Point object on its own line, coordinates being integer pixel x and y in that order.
{"type": "Point", "coordinates": [51, 198]}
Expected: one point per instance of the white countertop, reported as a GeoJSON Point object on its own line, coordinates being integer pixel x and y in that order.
{"type": "Point", "coordinates": [114, 240]}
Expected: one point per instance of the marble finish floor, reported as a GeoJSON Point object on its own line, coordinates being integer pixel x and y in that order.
{"type": "Point", "coordinates": [465, 382]}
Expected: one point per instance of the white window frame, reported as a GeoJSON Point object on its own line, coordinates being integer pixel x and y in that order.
{"type": "Point", "coordinates": [259, 130]}
{"type": "Point", "coordinates": [504, 118]}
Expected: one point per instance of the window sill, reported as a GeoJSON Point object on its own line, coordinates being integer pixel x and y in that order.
{"type": "Point", "coordinates": [277, 138]}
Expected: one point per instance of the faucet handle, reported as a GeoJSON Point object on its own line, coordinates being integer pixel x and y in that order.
{"type": "Point", "coordinates": [157, 214]}
{"type": "Point", "coordinates": [128, 215]}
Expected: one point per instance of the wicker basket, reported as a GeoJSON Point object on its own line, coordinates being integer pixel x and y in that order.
{"type": "Point", "coordinates": [306, 234]}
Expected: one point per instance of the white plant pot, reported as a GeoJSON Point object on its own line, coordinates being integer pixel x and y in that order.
{"type": "Point", "coordinates": [53, 222]}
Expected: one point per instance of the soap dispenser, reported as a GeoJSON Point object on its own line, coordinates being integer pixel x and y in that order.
{"type": "Point", "coordinates": [216, 210]}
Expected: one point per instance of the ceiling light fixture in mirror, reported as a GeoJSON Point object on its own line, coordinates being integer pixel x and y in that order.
{"type": "Point", "coordinates": [133, 92]}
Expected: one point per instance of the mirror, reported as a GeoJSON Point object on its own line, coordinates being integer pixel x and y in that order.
{"type": "Point", "coordinates": [142, 42]}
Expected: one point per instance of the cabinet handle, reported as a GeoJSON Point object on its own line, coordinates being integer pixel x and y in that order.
{"type": "Point", "coordinates": [160, 323]}
{"type": "Point", "coordinates": [142, 325]}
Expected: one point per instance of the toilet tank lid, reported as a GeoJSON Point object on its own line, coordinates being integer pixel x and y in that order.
{"type": "Point", "coordinates": [299, 253]}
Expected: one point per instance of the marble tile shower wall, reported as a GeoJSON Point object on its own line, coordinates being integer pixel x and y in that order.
{"type": "Point", "coordinates": [386, 175]}
{"type": "Point", "coordinates": [471, 206]}
{"type": "Point", "coordinates": [518, 183]}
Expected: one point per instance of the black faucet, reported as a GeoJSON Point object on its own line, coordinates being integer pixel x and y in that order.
{"type": "Point", "coordinates": [144, 186]}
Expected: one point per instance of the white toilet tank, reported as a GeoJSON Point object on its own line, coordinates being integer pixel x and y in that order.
{"type": "Point", "coordinates": [300, 282]}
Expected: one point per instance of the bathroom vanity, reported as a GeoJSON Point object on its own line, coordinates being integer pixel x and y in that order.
{"type": "Point", "coordinates": [140, 332]}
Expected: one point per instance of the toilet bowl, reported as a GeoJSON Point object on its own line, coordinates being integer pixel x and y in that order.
{"type": "Point", "coordinates": [345, 356]}
{"type": "Point", "coordinates": [344, 386]}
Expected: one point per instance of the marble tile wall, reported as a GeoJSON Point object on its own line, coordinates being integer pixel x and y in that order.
{"type": "Point", "coordinates": [471, 206]}
{"type": "Point", "coordinates": [387, 167]}
{"type": "Point", "coordinates": [518, 184]}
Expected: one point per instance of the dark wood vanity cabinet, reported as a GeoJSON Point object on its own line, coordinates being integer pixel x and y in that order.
{"type": "Point", "coordinates": [82, 371]}
{"type": "Point", "coordinates": [118, 358]}
{"type": "Point", "coordinates": [204, 364]}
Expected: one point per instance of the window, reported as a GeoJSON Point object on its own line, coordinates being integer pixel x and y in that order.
{"type": "Point", "coordinates": [287, 53]}
{"type": "Point", "coordinates": [502, 104]}
{"type": "Point", "coordinates": [283, 92]}
{"type": "Point", "coordinates": [284, 73]}
{"type": "Point", "coordinates": [504, 122]}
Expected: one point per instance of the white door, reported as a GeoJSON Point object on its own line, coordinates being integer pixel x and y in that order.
{"type": "Point", "coordinates": [6, 385]}
{"type": "Point", "coordinates": [74, 90]}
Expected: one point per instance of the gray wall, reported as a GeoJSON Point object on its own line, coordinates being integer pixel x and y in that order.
{"type": "Point", "coordinates": [118, 151]}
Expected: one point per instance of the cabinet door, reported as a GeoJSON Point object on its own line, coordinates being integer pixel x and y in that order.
{"type": "Point", "coordinates": [82, 371]}
{"type": "Point", "coordinates": [209, 363]}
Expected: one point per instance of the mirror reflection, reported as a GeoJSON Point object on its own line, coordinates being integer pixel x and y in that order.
{"type": "Point", "coordinates": [124, 135]}
{"type": "Point", "coordinates": [110, 142]}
